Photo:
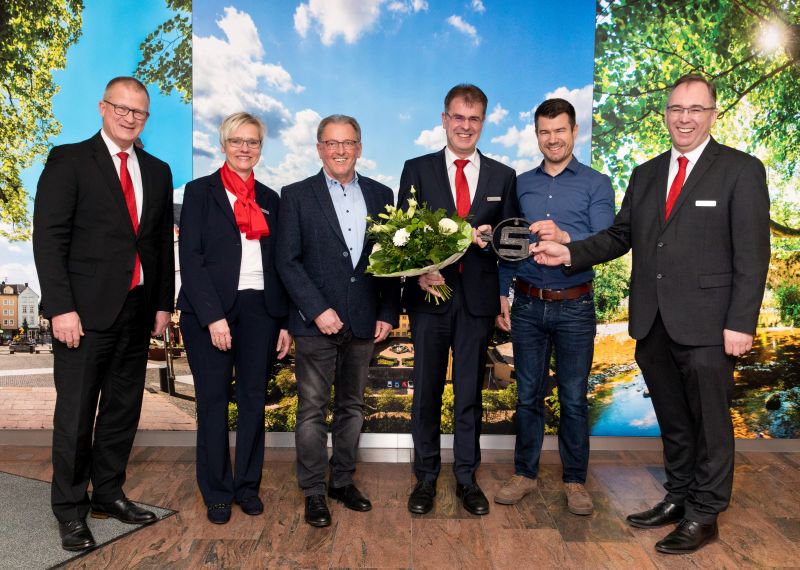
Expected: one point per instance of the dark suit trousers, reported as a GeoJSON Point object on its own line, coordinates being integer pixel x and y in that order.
{"type": "Point", "coordinates": [254, 336]}
{"type": "Point", "coordinates": [691, 389]}
{"type": "Point", "coordinates": [321, 362]}
{"type": "Point", "coordinates": [433, 334]}
{"type": "Point", "coordinates": [108, 365]}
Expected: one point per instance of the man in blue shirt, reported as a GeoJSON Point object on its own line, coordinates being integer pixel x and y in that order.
{"type": "Point", "coordinates": [566, 201]}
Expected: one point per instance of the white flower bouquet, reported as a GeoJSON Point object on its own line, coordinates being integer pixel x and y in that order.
{"type": "Point", "coordinates": [416, 241]}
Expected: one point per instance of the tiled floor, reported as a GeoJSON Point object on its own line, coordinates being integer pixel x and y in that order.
{"type": "Point", "coordinates": [761, 529]}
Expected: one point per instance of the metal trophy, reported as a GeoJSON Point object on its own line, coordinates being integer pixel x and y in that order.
{"type": "Point", "coordinates": [510, 239]}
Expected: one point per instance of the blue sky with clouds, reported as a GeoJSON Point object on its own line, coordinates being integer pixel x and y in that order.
{"type": "Point", "coordinates": [389, 63]}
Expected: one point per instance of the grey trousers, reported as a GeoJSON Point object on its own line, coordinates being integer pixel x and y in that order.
{"type": "Point", "coordinates": [321, 362]}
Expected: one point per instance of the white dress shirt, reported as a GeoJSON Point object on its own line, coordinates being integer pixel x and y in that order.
{"type": "Point", "coordinates": [471, 171]}
{"type": "Point", "coordinates": [692, 155]}
{"type": "Point", "coordinates": [251, 270]}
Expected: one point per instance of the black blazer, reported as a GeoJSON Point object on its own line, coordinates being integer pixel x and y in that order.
{"type": "Point", "coordinates": [705, 268]}
{"type": "Point", "coordinates": [83, 240]}
{"type": "Point", "coordinates": [210, 251]}
{"type": "Point", "coordinates": [315, 265]}
{"type": "Point", "coordinates": [495, 200]}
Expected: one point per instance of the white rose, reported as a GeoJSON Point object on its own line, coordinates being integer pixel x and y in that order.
{"type": "Point", "coordinates": [447, 226]}
{"type": "Point", "coordinates": [426, 228]}
{"type": "Point", "coordinates": [401, 237]}
{"type": "Point", "coordinates": [376, 248]}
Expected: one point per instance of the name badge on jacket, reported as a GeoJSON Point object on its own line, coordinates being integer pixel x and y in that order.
{"type": "Point", "coordinates": [494, 198]}
{"type": "Point", "coordinates": [705, 203]}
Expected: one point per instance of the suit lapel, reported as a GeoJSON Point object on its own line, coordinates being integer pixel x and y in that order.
{"type": "Point", "coordinates": [147, 185]}
{"type": "Point", "coordinates": [662, 177]}
{"type": "Point", "coordinates": [374, 207]}
{"type": "Point", "coordinates": [221, 196]}
{"type": "Point", "coordinates": [484, 174]}
{"type": "Point", "coordinates": [706, 159]}
{"type": "Point", "coordinates": [262, 199]}
{"type": "Point", "coordinates": [440, 170]}
{"type": "Point", "coordinates": [106, 166]}
{"type": "Point", "coordinates": [320, 188]}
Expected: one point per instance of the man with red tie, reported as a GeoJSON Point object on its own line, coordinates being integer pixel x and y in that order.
{"type": "Point", "coordinates": [697, 220]}
{"type": "Point", "coordinates": [103, 247]}
{"type": "Point", "coordinates": [459, 179]}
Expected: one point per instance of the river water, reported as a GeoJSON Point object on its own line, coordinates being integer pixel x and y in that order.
{"type": "Point", "coordinates": [619, 404]}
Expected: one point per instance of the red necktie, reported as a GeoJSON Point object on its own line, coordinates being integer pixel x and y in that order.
{"type": "Point", "coordinates": [462, 189]}
{"type": "Point", "coordinates": [677, 184]}
{"type": "Point", "coordinates": [130, 200]}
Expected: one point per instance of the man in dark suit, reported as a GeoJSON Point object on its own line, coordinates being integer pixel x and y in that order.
{"type": "Point", "coordinates": [103, 245]}
{"type": "Point", "coordinates": [338, 312]}
{"type": "Point", "coordinates": [461, 180]}
{"type": "Point", "coordinates": [697, 220]}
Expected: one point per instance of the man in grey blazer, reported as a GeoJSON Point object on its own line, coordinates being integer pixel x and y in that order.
{"type": "Point", "coordinates": [697, 220]}
{"type": "Point", "coordinates": [338, 312]}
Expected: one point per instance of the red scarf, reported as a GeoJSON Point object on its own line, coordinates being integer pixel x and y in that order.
{"type": "Point", "coordinates": [249, 217]}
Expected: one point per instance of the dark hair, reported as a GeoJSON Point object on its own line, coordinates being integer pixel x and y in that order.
{"type": "Point", "coordinates": [695, 78]}
{"type": "Point", "coordinates": [470, 93]}
{"type": "Point", "coordinates": [552, 108]}
{"type": "Point", "coordinates": [339, 120]}
{"type": "Point", "coordinates": [129, 81]}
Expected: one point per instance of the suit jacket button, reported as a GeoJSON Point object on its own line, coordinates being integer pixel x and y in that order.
{"type": "Point", "coordinates": [352, 280]}
{"type": "Point", "coordinates": [660, 244]}
{"type": "Point", "coordinates": [344, 254]}
{"type": "Point", "coordinates": [659, 276]}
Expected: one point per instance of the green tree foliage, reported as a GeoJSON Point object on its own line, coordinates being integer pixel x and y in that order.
{"type": "Point", "coordinates": [643, 46]}
{"type": "Point", "coordinates": [34, 38]}
{"type": "Point", "coordinates": [167, 53]}
{"type": "Point", "coordinates": [611, 284]}
{"type": "Point", "coordinates": [789, 304]}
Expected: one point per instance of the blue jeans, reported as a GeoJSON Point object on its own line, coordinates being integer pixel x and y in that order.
{"type": "Point", "coordinates": [539, 327]}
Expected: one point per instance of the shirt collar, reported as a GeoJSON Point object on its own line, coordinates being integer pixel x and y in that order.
{"type": "Point", "coordinates": [332, 182]}
{"type": "Point", "coordinates": [692, 155]}
{"type": "Point", "coordinates": [450, 157]}
{"type": "Point", "coordinates": [112, 146]}
{"type": "Point", "coordinates": [573, 166]}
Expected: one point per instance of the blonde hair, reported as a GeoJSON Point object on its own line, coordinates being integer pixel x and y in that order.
{"type": "Point", "coordinates": [236, 120]}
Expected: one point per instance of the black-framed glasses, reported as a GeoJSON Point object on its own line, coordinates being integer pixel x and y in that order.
{"type": "Point", "coordinates": [693, 111]}
{"type": "Point", "coordinates": [123, 111]}
{"type": "Point", "coordinates": [474, 120]}
{"type": "Point", "coordinates": [334, 145]}
{"type": "Point", "coordinates": [238, 143]}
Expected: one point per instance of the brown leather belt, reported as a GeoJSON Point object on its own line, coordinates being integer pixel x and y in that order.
{"type": "Point", "coordinates": [525, 288]}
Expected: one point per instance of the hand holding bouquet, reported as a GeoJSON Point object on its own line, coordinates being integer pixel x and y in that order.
{"type": "Point", "coordinates": [416, 241]}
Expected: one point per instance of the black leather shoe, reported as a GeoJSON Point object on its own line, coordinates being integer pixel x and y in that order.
{"type": "Point", "coordinates": [473, 498]}
{"type": "Point", "coordinates": [317, 513]}
{"type": "Point", "coordinates": [251, 505]}
{"type": "Point", "coordinates": [219, 513]}
{"type": "Point", "coordinates": [350, 497]}
{"type": "Point", "coordinates": [421, 499]}
{"type": "Point", "coordinates": [75, 535]}
{"type": "Point", "coordinates": [123, 510]}
{"type": "Point", "coordinates": [662, 514]}
{"type": "Point", "coordinates": [688, 537]}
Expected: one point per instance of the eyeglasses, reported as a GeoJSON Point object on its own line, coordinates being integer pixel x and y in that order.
{"type": "Point", "coordinates": [123, 111]}
{"type": "Point", "coordinates": [251, 143]}
{"type": "Point", "coordinates": [693, 111]}
{"type": "Point", "coordinates": [334, 145]}
{"type": "Point", "coordinates": [474, 120]}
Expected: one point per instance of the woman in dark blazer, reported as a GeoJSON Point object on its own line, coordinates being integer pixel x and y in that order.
{"type": "Point", "coordinates": [232, 307]}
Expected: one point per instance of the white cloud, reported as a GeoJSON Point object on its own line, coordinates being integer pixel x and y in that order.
{"type": "Point", "coordinates": [477, 6]}
{"type": "Point", "coordinates": [332, 18]}
{"type": "Point", "coordinates": [524, 140]}
{"type": "Point", "coordinates": [405, 7]}
{"type": "Point", "coordinates": [366, 164]}
{"type": "Point", "coordinates": [235, 76]}
{"type": "Point", "coordinates": [419, 5]}
{"type": "Point", "coordinates": [399, 7]}
{"type": "Point", "coordinates": [202, 145]}
{"type": "Point", "coordinates": [497, 114]}
{"type": "Point", "coordinates": [404, 116]}
{"type": "Point", "coordinates": [520, 165]}
{"type": "Point", "coordinates": [384, 179]}
{"type": "Point", "coordinates": [301, 159]}
{"type": "Point", "coordinates": [465, 28]}
{"type": "Point", "coordinates": [432, 139]}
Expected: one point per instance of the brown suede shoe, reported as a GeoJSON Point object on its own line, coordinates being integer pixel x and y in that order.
{"type": "Point", "coordinates": [515, 489]}
{"type": "Point", "coordinates": [579, 502]}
